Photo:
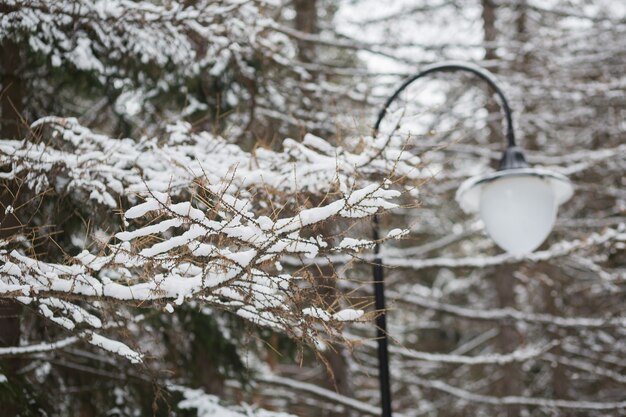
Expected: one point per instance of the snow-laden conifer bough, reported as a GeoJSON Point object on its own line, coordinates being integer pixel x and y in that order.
{"type": "Point", "coordinates": [199, 229]}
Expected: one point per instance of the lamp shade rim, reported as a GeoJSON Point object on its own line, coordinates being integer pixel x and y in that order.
{"type": "Point", "coordinates": [468, 194]}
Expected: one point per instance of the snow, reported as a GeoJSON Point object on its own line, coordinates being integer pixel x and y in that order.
{"type": "Point", "coordinates": [348, 314]}
{"type": "Point", "coordinates": [361, 407]}
{"type": "Point", "coordinates": [354, 244]}
{"type": "Point", "coordinates": [39, 347]}
{"type": "Point", "coordinates": [396, 233]}
{"type": "Point", "coordinates": [207, 405]}
{"type": "Point", "coordinates": [116, 347]}
{"type": "Point", "coordinates": [82, 57]}
{"type": "Point", "coordinates": [518, 400]}
{"type": "Point", "coordinates": [77, 314]}
{"type": "Point", "coordinates": [62, 321]}
{"type": "Point", "coordinates": [510, 313]}
{"type": "Point", "coordinates": [151, 204]}
{"type": "Point", "coordinates": [170, 168]}
{"type": "Point", "coordinates": [317, 313]}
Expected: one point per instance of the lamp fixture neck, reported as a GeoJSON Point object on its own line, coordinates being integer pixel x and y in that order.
{"type": "Point", "coordinates": [513, 158]}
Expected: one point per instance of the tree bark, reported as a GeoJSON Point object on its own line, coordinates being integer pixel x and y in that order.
{"type": "Point", "coordinates": [489, 38]}
{"type": "Point", "coordinates": [336, 356]}
{"type": "Point", "coordinates": [11, 108]}
{"type": "Point", "coordinates": [489, 28]}
{"type": "Point", "coordinates": [550, 293]}
{"type": "Point", "coordinates": [306, 21]}
{"type": "Point", "coordinates": [508, 338]}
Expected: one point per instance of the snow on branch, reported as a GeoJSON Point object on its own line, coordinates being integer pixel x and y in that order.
{"type": "Point", "coordinates": [207, 405]}
{"type": "Point", "coordinates": [208, 223]}
{"type": "Point", "coordinates": [518, 400]}
{"type": "Point", "coordinates": [102, 342]}
{"type": "Point", "coordinates": [327, 395]}
{"type": "Point", "coordinates": [556, 250]}
{"type": "Point", "coordinates": [588, 367]}
{"type": "Point", "coordinates": [39, 347]}
{"type": "Point", "coordinates": [74, 32]}
{"type": "Point", "coordinates": [119, 43]}
{"type": "Point", "coordinates": [403, 258]}
{"type": "Point", "coordinates": [520, 355]}
{"type": "Point", "coordinates": [511, 314]}
{"type": "Point", "coordinates": [87, 165]}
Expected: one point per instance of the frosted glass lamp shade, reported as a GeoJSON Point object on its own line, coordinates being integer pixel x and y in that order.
{"type": "Point", "coordinates": [517, 206]}
{"type": "Point", "coordinates": [518, 212]}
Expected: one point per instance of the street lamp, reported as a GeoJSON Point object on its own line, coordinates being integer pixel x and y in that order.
{"type": "Point", "coordinates": [517, 204]}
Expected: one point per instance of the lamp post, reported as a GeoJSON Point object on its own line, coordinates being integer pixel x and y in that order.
{"type": "Point", "coordinates": [517, 203]}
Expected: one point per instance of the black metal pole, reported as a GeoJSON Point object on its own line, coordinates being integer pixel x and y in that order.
{"type": "Point", "coordinates": [512, 158]}
{"type": "Point", "coordinates": [381, 326]}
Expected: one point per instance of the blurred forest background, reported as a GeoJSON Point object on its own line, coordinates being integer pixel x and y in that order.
{"type": "Point", "coordinates": [474, 332]}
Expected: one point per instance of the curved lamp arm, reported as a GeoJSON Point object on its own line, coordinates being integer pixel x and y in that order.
{"type": "Point", "coordinates": [452, 66]}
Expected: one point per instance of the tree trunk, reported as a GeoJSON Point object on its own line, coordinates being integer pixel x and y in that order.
{"type": "Point", "coordinates": [336, 356]}
{"type": "Point", "coordinates": [489, 28]}
{"type": "Point", "coordinates": [489, 38]}
{"type": "Point", "coordinates": [306, 21]}
{"type": "Point", "coordinates": [10, 127]}
{"type": "Point", "coordinates": [508, 338]}
{"type": "Point", "coordinates": [550, 295]}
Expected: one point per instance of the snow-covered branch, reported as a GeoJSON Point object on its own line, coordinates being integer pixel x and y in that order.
{"type": "Point", "coordinates": [195, 231]}
{"type": "Point", "coordinates": [510, 314]}
{"type": "Point", "coordinates": [517, 400]}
